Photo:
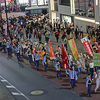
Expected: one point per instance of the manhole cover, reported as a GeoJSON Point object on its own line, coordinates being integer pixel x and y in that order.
{"type": "Point", "coordinates": [37, 92]}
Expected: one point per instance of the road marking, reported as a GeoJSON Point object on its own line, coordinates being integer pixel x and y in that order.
{"type": "Point", "coordinates": [4, 81]}
{"type": "Point", "coordinates": [11, 86]}
{"type": "Point", "coordinates": [14, 93]}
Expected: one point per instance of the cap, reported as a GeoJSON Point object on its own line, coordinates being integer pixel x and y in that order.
{"type": "Point", "coordinates": [89, 73]}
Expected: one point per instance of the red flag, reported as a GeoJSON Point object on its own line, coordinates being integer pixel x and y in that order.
{"type": "Point", "coordinates": [64, 57]}
{"type": "Point", "coordinates": [87, 46]}
{"type": "Point", "coordinates": [52, 55]}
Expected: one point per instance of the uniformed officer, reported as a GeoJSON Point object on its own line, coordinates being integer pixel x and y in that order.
{"type": "Point", "coordinates": [8, 46]}
{"type": "Point", "coordinates": [45, 63]}
{"type": "Point", "coordinates": [73, 77]}
{"type": "Point", "coordinates": [88, 83]}
{"type": "Point", "coordinates": [37, 60]}
{"type": "Point", "coordinates": [58, 70]}
{"type": "Point", "coordinates": [4, 44]}
{"type": "Point", "coordinates": [29, 55]}
{"type": "Point", "coordinates": [18, 52]}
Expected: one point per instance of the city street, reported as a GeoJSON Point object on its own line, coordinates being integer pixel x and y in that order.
{"type": "Point", "coordinates": [22, 80]}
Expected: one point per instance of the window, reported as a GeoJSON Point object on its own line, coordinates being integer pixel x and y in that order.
{"type": "Point", "coordinates": [40, 2]}
{"type": "Point", "coordinates": [64, 2]}
{"type": "Point", "coordinates": [84, 8]}
{"type": "Point", "coordinates": [33, 2]}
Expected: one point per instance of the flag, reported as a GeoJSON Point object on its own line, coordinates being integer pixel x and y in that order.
{"type": "Point", "coordinates": [6, 29]}
{"type": "Point", "coordinates": [87, 46]}
{"type": "Point", "coordinates": [73, 48]}
{"type": "Point", "coordinates": [51, 51]}
{"type": "Point", "coordinates": [64, 57]}
{"type": "Point", "coordinates": [16, 30]}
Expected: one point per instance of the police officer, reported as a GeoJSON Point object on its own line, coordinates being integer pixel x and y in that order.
{"type": "Point", "coordinates": [37, 60]}
{"type": "Point", "coordinates": [73, 77]}
{"type": "Point", "coordinates": [29, 55]}
{"type": "Point", "coordinates": [88, 83]}
{"type": "Point", "coordinates": [45, 63]}
{"type": "Point", "coordinates": [58, 70]}
{"type": "Point", "coordinates": [18, 52]}
{"type": "Point", "coordinates": [8, 46]}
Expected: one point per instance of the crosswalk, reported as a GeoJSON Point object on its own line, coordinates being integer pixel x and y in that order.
{"type": "Point", "coordinates": [13, 90]}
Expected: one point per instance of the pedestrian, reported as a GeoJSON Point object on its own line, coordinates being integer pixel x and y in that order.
{"type": "Point", "coordinates": [91, 66]}
{"type": "Point", "coordinates": [77, 32]}
{"type": "Point", "coordinates": [57, 35]}
{"type": "Point", "coordinates": [65, 43]}
{"type": "Point", "coordinates": [8, 46]}
{"type": "Point", "coordinates": [73, 77]}
{"type": "Point", "coordinates": [97, 77]}
{"type": "Point", "coordinates": [58, 70]}
{"type": "Point", "coordinates": [29, 55]}
{"type": "Point", "coordinates": [37, 60]}
{"type": "Point", "coordinates": [18, 53]}
{"type": "Point", "coordinates": [39, 36]}
{"type": "Point", "coordinates": [79, 66]}
{"type": "Point", "coordinates": [89, 83]}
{"type": "Point", "coordinates": [45, 63]}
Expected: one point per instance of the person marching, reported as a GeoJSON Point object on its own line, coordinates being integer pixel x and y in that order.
{"type": "Point", "coordinates": [39, 36]}
{"type": "Point", "coordinates": [89, 83]}
{"type": "Point", "coordinates": [45, 63]}
{"type": "Point", "coordinates": [29, 55]}
{"type": "Point", "coordinates": [37, 60]}
{"type": "Point", "coordinates": [97, 77]}
{"type": "Point", "coordinates": [58, 70]}
{"type": "Point", "coordinates": [73, 77]}
{"type": "Point", "coordinates": [8, 45]}
{"type": "Point", "coordinates": [18, 53]}
{"type": "Point", "coordinates": [4, 44]}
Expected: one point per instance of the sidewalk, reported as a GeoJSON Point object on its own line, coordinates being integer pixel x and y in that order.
{"type": "Point", "coordinates": [4, 93]}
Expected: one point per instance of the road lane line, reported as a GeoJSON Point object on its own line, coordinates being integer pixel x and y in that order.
{"type": "Point", "coordinates": [4, 80]}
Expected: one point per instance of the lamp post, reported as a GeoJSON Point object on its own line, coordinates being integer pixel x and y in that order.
{"type": "Point", "coordinates": [6, 17]}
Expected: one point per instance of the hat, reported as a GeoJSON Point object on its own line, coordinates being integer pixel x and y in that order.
{"type": "Point", "coordinates": [89, 73]}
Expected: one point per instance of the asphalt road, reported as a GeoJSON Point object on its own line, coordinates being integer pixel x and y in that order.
{"type": "Point", "coordinates": [22, 80]}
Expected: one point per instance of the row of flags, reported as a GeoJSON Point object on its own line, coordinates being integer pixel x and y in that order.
{"type": "Point", "coordinates": [74, 50]}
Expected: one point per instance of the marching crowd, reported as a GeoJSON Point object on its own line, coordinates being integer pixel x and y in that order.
{"type": "Point", "coordinates": [21, 41]}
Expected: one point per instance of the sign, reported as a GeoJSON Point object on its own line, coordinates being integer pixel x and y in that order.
{"type": "Point", "coordinates": [64, 57]}
{"type": "Point", "coordinates": [73, 48]}
{"type": "Point", "coordinates": [6, 29]}
{"type": "Point", "coordinates": [51, 51]}
{"type": "Point", "coordinates": [96, 59]}
{"type": "Point", "coordinates": [87, 46]}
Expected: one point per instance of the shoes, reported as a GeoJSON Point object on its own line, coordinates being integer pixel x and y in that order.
{"type": "Point", "coordinates": [90, 96]}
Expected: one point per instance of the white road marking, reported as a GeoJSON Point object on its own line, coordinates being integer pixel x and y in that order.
{"type": "Point", "coordinates": [10, 85]}
{"type": "Point", "coordinates": [4, 81]}
{"type": "Point", "coordinates": [14, 93]}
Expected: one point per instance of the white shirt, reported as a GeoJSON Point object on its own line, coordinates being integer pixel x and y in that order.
{"type": "Point", "coordinates": [91, 65]}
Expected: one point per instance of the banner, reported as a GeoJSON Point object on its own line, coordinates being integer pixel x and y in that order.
{"type": "Point", "coordinates": [6, 29]}
{"type": "Point", "coordinates": [73, 48]}
{"type": "Point", "coordinates": [52, 55]}
{"type": "Point", "coordinates": [96, 59]}
{"type": "Point", "coordinates": [87, 46]}
{"type": "Point", "coordinates": [64, 57]}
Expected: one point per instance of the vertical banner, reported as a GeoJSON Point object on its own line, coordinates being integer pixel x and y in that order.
{"type": "Point", "coordinates": [87, 46]}
{"type": "Point", "coordinates": [6, 29]}
{"type": "Point", "coordinates": [64, 57]}
{"type": "Point", "coordinates": [96, 59]}
{"type": "Point", "coordinates": [52, 55]}
{"type": "Point", "coordinates": [73, 48]}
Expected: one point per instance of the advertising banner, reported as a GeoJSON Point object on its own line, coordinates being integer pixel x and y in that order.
{"type": "Point", "coordinates": [64, 57]}
{"type": "Point", "coordinates": [51, 51]}
{"type": "Point", "coordinates": [96, 59]}
{"type": "Point", "coordinates": [73, 48]}
{"type": "Point", "coordinates": [87, 46]}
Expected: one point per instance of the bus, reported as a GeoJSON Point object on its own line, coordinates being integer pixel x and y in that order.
{"type": "Point", "coordinates": [36, 10]}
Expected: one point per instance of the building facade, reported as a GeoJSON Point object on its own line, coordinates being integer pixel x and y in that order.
{"type": "Point", "coordinates": [81, 12]}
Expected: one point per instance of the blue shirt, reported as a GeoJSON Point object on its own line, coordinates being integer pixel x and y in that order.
{"type": "Point", "coordinates": [36, 57]}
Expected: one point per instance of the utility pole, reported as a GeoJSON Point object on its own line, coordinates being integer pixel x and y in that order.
{"type": "Point", "coordinates": [7, 18]}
